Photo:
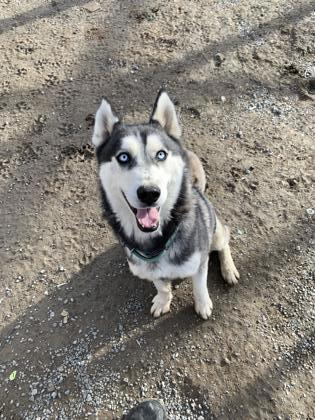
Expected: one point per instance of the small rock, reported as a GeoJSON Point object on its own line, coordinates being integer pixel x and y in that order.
{"type": "Point", "coordinates": [310, 212]}
{"type": "Point", "coordinates": [51, 314]}
{"type": "Point", "coordinates": [253, 186]}
{"type": "Point", "coordinates": [151, 409]}
{"type": "Point", "coordinates": [91, 7]}
{"type": "Point", "coordinates": [293, 182]}
{"type": "Point", "coordinates": [194, 112]}
{"type": "Point", "coordinates": [225, 361]}
{"type": "Point", "coordinates": [219, 59]}
{"type": "Point", "coordinates": [276, 111]}
{"type": "Point", "coordinates": [64, 313]}
{"type": "Point", "coordinates": [239, 232]}
{"type": "Point", "coordinates": [50, 387]}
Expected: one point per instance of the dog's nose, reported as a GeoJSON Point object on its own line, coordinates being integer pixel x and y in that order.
{"type": "Point", "coordinates": [148, 194]}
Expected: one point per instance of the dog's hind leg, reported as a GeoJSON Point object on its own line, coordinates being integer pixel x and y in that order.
{"type": "Point", "coordinates": [203, 303]}
{"type": "Point", "coordinates": [220, 243]}
{"type": "Point", "coordinates": [161, 301]}
{"type": "Point", "coordinates": [198, 174]}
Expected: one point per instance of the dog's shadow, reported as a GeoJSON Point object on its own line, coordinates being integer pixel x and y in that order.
{"type": "Point", "coordinates": [101, 313]}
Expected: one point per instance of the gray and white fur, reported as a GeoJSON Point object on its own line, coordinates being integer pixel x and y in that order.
{"type": "Point", "coordinates": [153, 197]}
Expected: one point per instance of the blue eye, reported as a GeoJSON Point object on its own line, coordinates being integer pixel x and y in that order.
{"type": "Point", "coordinates": [161, 155]}
{"type": "Point", "coordinates": [123, 158]}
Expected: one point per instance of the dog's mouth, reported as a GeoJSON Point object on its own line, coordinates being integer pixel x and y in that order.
{"type": "Point", "coordinates": [148, 219]}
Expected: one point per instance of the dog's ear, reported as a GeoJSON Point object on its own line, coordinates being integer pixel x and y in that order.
{"type": "Point", "coordinates": [104, 123]}
{"type": "Point", "coordinates": [164, 112]}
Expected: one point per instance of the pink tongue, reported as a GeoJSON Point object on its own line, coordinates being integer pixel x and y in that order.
{"type": "Point", "coordinates": [148, 217]}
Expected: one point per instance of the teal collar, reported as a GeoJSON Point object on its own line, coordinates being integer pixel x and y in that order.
{"type": "Point", "coordinates": [154, 256]}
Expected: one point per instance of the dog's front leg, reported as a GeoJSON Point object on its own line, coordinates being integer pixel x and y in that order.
{"type": "Point", "coordinates": [203, 303]}
{"type": "Point", "coordinates": [161, 301]}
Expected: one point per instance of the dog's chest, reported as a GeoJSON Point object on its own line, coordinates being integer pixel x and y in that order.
{"type": "Point", "coordinates": [165, 269]}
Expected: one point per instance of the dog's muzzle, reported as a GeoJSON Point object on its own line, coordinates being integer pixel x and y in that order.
{"type": "Point", "coordinates": [148, 218]}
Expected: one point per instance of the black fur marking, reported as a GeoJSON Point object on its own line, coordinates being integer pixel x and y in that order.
{"type": "Point", "coordinates": [107, 150]}
{"type": "Point", "coordinates": [209, 206]}
{"type": "Point", "coordinates": [110, 148]}
{"type": "Point", "coordinates": [143, 136]}
{"type": "Point", "coordinates": [111, 217]}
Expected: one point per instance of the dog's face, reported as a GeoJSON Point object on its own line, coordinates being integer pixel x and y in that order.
{"type": "Point", "coordinates": [141, 166]}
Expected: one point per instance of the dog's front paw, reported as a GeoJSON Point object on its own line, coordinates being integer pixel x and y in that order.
{"type": "Point", "coordinates": [161, 304]}
{"type": "Point", "coordinates": [203, 307]}
{"type": "Point", "coordinates": [230, 273]}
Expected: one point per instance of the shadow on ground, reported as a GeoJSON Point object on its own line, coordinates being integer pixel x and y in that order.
{"type": "Point", "coordinates": [109, 316]}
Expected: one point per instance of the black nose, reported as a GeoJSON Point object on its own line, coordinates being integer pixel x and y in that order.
{"type": "Point", "coordinates": [149, 194]}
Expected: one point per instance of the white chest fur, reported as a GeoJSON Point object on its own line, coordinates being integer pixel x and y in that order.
{"type": "Point", "coordinates": [166, 270]}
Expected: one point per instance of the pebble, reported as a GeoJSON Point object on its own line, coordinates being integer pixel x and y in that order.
{"type": "Point", "coordinates": [276, 111]}
{"type": "Point", "coordinates": [91, 7]}
{"type": "Point", "coordinates": [50, 387]}
{"type": "Point", "coordinates": [239, 232]}
{"type": "Point", "coordinates": [65, 315]}
{"type": "Point", "coordinates": [225, 361]}
{"type": "Point", "coordinates": [219, 59]}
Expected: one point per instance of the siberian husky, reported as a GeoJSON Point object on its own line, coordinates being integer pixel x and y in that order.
{"type": "Point", "coordinates": [153, 197]}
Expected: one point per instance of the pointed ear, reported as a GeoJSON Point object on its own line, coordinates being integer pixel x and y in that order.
{"type": "Point", "coordinates": [164, 112]}
{"type": "Point", "coordinates": [104, 123]}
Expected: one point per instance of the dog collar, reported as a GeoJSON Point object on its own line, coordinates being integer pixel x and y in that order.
{"type": "Point", "coordinates": [154, 256]}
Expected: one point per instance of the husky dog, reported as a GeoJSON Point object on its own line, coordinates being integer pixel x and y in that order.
{"type": "Point", "coordinates": [153, 197]}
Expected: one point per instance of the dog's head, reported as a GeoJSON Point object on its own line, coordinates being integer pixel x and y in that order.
{"type": "Point", "coordinates": [141, 166]}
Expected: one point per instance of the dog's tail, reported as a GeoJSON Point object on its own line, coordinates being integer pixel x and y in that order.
{"type": "Point", "coordinates": [197, 172]}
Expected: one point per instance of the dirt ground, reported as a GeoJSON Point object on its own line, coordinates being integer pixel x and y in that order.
{"type": "Point", "coordinates": [77, 339]}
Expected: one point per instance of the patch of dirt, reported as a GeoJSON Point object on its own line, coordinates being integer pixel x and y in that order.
{"type": "Point", "coordinates": [77, 339]}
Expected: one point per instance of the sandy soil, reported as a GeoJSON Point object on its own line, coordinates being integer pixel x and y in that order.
{"type": "Point", "coordinates": [77, 340]}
